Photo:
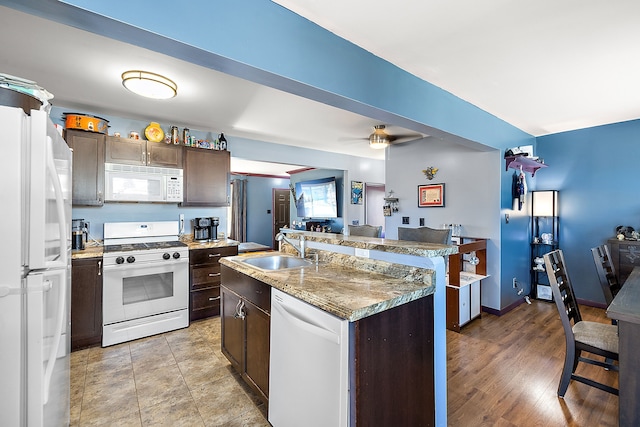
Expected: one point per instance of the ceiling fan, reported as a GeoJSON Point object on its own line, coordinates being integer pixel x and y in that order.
{"type": "Point", "coordinates": [380, 139]}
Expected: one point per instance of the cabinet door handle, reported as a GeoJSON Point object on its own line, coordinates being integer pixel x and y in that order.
{"type": "Point", "coordinates": [237, 313]}
{"type": "Point", "coordinates": [144, 158]}
{"type": "Point", "coordinates": [214, 255]}
{"type": "Point", "coordinates": [214, 298]}
{"type": "Point", "coordinates": [99, 268]}
{"type": "Point", "coordinates": [214, 274]}
{"type": "Point", "coordinates": [240, 314]}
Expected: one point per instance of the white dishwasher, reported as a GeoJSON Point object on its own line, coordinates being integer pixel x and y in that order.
{"type": "Point", "coordinates": [309, 365]}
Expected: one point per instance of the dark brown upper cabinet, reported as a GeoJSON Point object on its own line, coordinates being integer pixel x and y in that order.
{"type": "Point", "coordinates": [206, 177]}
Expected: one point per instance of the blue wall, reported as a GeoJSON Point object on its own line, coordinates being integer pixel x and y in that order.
{"type": "Point", "coordinates": [259, 201]}
{"type": "Point", "coordinates": [596, 172]}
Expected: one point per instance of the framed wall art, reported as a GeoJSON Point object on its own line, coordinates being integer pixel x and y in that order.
{"type": "Point", "coordinates": [357, 188]}
{"type": "Point", "coordinates": [431, 196]}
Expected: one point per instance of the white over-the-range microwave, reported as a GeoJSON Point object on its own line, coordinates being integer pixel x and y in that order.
{"type": "Point", "coordinates": [130, 183]}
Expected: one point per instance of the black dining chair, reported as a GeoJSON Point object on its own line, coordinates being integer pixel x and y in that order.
{"type": "Point", "coordinates": [580, 335]}
{"type": "Point", "coordinates": [606, 272]}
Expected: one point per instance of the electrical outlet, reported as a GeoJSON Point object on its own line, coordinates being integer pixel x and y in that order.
{"type": "Point", "coordinates": [515, 283]}
{"type": "Point", "coordinates": [405, 220]}
{"type": "Point", "coordinates": [421, 222]}
{"type": "Point", "coordinates": [181, 223]}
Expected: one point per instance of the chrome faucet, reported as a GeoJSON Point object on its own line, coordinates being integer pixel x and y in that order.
{"type": "Point", "coordinates": [300, 249]}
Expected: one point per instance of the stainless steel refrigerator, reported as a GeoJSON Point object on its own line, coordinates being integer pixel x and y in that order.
{"type": "Point", "coordinates": [35, 270]}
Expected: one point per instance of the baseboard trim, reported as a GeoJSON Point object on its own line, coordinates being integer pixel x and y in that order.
{"type": "Point", "coordinates": [591, 303]}
{"type": "Point", "coordinates": [504, 310]}
{"type": "Point", "coordinates": [516, 303]}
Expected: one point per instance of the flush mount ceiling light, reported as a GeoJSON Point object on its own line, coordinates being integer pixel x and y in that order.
{"type": "Point", "coordinates": [379, 138]}
{"type": "Point", "coordinates": [150, 85]}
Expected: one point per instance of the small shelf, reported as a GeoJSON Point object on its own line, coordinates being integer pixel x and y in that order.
{"type": "Point", "coordinates": [527, 164]}
{"type": "Point", "coordinates": [467, 278]}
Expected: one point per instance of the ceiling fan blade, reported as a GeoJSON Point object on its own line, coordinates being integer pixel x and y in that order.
{"type": "Point", "coordinates": [399, 139]}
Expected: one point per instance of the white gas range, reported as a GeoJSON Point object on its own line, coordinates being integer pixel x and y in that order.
{"type": "Point", "coordinates": [145, 280]}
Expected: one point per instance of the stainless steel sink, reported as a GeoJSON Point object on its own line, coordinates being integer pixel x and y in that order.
{"type": "Point", "coordinates": [277, 262]}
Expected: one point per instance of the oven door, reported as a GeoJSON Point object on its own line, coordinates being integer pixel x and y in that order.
{"type": "Point", "coordinates": [134, 291]}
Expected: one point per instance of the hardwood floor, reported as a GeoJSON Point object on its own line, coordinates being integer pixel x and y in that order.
{"type": "Point", "coordinates": [502, 371]}
{"type": "Point", "coordinates": [505, 371]}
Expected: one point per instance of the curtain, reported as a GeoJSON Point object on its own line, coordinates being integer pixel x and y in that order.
{"type": "Point", "coordinates": [239, 210]}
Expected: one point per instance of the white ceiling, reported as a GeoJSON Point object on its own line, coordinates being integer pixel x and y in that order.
{"type": "Point", "coordinates": [544, 66]}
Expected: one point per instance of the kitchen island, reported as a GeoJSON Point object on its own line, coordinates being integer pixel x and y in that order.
{"type": "Point", "coordinates": [388, 291]}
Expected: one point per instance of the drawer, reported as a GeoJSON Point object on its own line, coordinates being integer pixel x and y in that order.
{"type": "Point", "coordinates": [211, 255]}
{"type": "Point", "coordinates": [205, 303]}
{"type": "Point", "coordinates": [259, 293]}
{"type": "Point", "coordinates": [204, 276]}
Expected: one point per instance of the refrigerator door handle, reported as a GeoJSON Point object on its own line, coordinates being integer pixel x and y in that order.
{"type": "Point", "coordinates": [53, 354]}
{"type": "Point", "coordinates": [38, 286]}
{"type": "Point", "coordinates": [62, 220]}
{"type": "Point", "coordinates": [6, 290]}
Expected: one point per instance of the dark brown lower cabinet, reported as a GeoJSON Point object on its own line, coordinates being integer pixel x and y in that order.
{"type": "Point", "coordinates": [86, 302]}
{"type": "Point", "coordinates": [393, 367]}
{"type": "Point", "coordinates": [391, 356]}
{"type": "Point", "coordinates": [204, 279]}
{"type": "Point", "coordinates": [246, 322]}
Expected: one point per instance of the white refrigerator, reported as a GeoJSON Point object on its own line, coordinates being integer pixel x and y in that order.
{"type": "Point", "coordinates": [35, 270]}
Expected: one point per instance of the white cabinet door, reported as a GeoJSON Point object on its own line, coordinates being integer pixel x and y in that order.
{"type": "Point", "coordinates": [464, 296]}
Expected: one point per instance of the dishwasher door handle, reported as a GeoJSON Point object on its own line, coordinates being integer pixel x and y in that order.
{"type": "Point", "coordinates": [301, 321]}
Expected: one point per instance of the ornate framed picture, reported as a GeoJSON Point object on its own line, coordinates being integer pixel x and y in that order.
{"type": "Point", "coordinates": [357, 188]}
{"type": "Point", "coordinates": [430, 196]}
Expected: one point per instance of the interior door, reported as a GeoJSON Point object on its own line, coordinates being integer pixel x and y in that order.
{"type": "Point", "coordinates": [373, 202]}
{"type": "Point", "coordinates": [281, 211]}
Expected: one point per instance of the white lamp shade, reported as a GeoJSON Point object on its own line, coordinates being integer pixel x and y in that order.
{"type": "Point", "coordinates": [545, 203]}
{"type": "Point", "coordinates": [149, 85]}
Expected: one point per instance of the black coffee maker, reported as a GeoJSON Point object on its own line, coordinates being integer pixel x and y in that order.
{"type": "Point", "coordinates": [205, 229]}
{"type": "Point", "coordinates": [79, 234]}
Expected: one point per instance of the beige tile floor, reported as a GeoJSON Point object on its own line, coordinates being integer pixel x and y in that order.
{"type": "Point", "coordinates": [179, 378]}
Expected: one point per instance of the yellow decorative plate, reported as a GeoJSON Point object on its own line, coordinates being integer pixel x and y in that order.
{"type": "Point", "coordinates": [154, 132]}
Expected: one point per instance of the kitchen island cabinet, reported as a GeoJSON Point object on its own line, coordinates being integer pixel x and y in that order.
{"type": "Point", "coordinates": [206, 177]}
{"type": "Point", "coordinates": [88, 167]}
{"type": "Point", "coordinates": [141, 152]}
{"type": "Point", "coordinates": [86, 302]}
{"type": "Point", "coordinates": [204, 280]}
{"type": "Point", "coordinates": [390, 310]}
{"type": "Point", "coordinates": [246, 306]}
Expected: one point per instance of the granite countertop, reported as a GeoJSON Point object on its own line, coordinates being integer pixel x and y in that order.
{"type": "Point", "coordinates": [346, 286]}
{"type": "Point", "coordinates": [220, 243]}
{"type": "Point", "coordinates": [96, 250]}
{"type": "Point", "coordinates": [88, 252]}
{"type": "Point", "coordinates": [374, 243]}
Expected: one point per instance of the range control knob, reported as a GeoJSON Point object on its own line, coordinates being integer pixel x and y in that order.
{"type": "Point", "coordinates": [166, 255]}
{"type": "Point", "coordinates": [176, 255]}
{"type": "Point", "coordinates": [130, 259]}
{"type": "Point", "coordinates": [119, 260]}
